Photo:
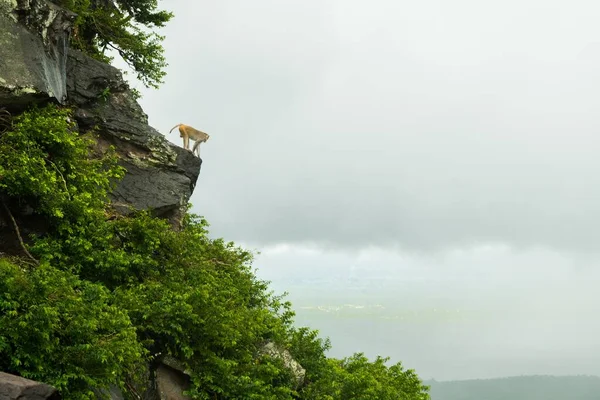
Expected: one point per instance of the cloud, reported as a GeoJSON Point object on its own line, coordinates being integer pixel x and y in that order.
{"type": "Point", "coordinates": [423, 125]}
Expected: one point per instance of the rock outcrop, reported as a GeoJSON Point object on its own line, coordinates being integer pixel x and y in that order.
{"type": "Point", "coordinates": [160, 175]}
{"type": "Point", "coordinates": [36, 67]}
{"type": "Point", "coordinates": [171, 383]}
{"type": "Point", "coordinates": [17, 388]}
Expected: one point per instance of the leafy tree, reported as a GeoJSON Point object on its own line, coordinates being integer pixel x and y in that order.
{"type": "Point", "coordinates": [207, 307]}
{"type": "Point", "coordinates": [64, 331]}
{"type": "Point", "coordinates": [357, 378]}
{"type": "Point", "coordinates": [122, 25]}
{"type": "Point", "coordinates": [309, 350]}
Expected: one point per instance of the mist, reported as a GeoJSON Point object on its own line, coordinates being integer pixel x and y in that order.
{"type": "Point", "coordinates": [419, 176]}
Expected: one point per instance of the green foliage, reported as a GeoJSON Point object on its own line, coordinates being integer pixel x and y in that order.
{"type": "Point", "coordinates": [122, 25]}
{"type": "Point", "coordinates": [44, 162]}
{"type": "Point", "coordinates": [104, 94]}
{"type": "Point", "coordinates": [309, 350]}
{"type": "Point", "coordinates": [112, 292]}
{"type": "Point", "coordinates": [58, 329]}
{"type": "Point", "coordinates": [196, 299]}
{"type": "Point", "coordinates": [356, 377]}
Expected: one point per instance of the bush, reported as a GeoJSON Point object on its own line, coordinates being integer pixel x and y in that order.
{"type": "Point", "coordinates": [356, 377]}
{"type": "Point", "coordinates": [64, 331]}
{"type": "Point", "coordinates": [47, 164]}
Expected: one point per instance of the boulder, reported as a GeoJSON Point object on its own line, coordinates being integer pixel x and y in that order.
{"type": "Point", "coordinates": [273, 350]}
{"type": "Point", "coordinates": [171, 383]}
{"type": "Point", "coordinates": [14, 387]}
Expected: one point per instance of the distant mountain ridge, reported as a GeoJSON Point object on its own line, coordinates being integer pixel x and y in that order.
{"type": "Point", "coordinates": [535, 387]}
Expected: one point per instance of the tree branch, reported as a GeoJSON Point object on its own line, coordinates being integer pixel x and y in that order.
{"type": "Point", "coordinates": [61, 176]}
{"type": "Point", "coordinates": [5, 119]}
{"type": "Point", "coordinates": [18, 232]}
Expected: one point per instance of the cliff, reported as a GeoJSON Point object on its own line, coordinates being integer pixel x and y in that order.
{"type": "Point", "coordinates": [36, 67]}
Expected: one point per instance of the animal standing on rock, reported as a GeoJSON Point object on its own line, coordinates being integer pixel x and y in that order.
{"type": "Point", "coordinates": [187, 133]}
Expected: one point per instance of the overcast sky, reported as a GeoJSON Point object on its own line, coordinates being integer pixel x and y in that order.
{"type": "Point", "coordinates": [453, 141]}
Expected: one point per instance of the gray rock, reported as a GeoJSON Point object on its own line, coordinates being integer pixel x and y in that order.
{"type": "Point", "coordinates": [273, 350]}
{"type": "Point", "coordinates": [160, 175]}
{"type": "Point", "coordinates": [14, 387]}
{"type": "Point", "coordinates": [33, 46]}
{"type": "Point", "coordinates": [174, 363]}
{"type": "Point", "coordinates": [171, 384]}
{"type": "Point", "coordinates": [112, 393]}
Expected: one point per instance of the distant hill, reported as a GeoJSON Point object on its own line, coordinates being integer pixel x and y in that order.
{"type": "Point", "coordinates": [538, 387]}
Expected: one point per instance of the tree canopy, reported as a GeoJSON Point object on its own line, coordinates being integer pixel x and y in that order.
{"type": "Point", "coordinates": [125, 26]}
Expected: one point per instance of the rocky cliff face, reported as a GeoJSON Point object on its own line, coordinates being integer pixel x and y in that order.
{"type": "Point", "coordinates": [160, 175]}
{"type": "Point", "coordinates": [36, 67]}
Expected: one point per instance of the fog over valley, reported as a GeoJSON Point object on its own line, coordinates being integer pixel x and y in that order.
{"type": "Point", "coordinates": [486, 314]}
